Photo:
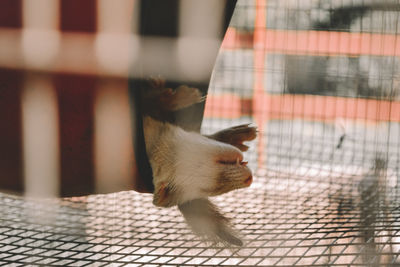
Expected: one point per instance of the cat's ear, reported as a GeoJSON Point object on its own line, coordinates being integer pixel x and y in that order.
{"type": "Point", "coordinates": [165, 195]}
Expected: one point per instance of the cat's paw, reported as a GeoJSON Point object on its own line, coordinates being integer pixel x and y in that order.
{"type": "Point", "coordinates": [236, 136]}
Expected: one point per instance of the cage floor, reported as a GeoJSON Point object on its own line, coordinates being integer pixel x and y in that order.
{"type": "Point", "coordinates": [285, 220]}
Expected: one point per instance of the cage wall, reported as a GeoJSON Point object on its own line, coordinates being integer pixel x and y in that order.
{"type": "Point", "coordinates": [319, 79]}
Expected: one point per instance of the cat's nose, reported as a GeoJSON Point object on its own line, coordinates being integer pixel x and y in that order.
{"type": "Point", "coordinates": [248, 180]}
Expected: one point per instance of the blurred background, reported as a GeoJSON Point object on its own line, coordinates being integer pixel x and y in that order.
{"type": "Point", "coordinates": [64, 106]}
{"type": "Point", "coordinates": [320, 79]}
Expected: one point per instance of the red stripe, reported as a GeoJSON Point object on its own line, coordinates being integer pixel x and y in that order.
{"type": "Point", "coordinates": [259, 62]}
{"type": "Point", "coordinates": [11, 162]}
{"type": "Point", "coordinates": [78, 15]}
{"type": "Point", "coordinates": [11, 13]}
{"type": "Point", "coordinates": [76, 100]}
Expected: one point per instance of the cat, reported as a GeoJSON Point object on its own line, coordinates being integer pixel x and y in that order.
{"type": "Point", "coordinates": [189, 167]}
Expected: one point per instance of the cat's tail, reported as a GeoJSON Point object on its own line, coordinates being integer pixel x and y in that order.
{"type": "Point", "coordinates": [207, 221]}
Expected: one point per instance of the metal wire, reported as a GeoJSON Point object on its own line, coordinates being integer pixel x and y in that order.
{"type": "Point", "coordinates": [286, 220]}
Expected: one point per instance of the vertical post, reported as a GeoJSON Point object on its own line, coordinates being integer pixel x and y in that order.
{"type": "Point", "coordinates": [78, 16]}
{"type": "Point", "coordinates": [40, 36]}
{"type": "Point", "coordinates": [259, 60]}
{"type": "Point", "coordinates": [11, 161]}
{"type": "Point", "coordinates": [10, 13]}
{"type": "Point", "coordinates": [113, 143]}
{"type": "Point", "coordinates": [11, 156]}
{"type": "Point", "coordinates": [39, 105]}
{"type": "Point", "coordinates": [113, 148]}
{"type": "Point", "coordinates": [75, 95]}
{"type": "Point", "coordinates": [40, 137]}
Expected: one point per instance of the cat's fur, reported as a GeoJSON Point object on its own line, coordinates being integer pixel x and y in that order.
{"type": "Point", "coordinates": [189, 167]}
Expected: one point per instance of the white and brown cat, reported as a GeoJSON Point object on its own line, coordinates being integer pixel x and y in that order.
{"type": "Point", "coordinates": [189, 167]}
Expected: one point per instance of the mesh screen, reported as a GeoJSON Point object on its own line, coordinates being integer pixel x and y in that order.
{"type": "Point", "coordinates": [285, 220]}
{"type": "Point", "coordinates": [320, 79]}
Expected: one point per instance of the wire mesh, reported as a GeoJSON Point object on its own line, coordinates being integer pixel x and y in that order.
{"type": "Point", "coordinates": [286, 220]}
{"type": "Point", "coordinates": [320, 79]}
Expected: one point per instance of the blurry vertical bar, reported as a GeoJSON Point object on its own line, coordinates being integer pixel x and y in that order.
{"type": "Point", "coordinates": [113, 43]}
{"type": "Point", "coordinates": [40, 14]}
{"type": "Point", "coordinates": [11, 178]}
{"type": "Point", "coordinates": [113, 143]}
{"type": "Point", "coordinates": [75, 95]}
{"type": "Point", "coordinates": [114, 18]}
{"type": "Point", "coordinates": [39, 105]}
{"type": "Point", "coordinates": [40, 35]}
{"type": "Point", "coordinates": [78, 16]}
{"type": "Point", "coordinates": [10, 13]}
{"type": "Point", "coordinates": [40, 137]}
{"type": "Point", "coordinates": [11, 162]}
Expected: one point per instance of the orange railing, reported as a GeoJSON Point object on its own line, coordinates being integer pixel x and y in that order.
{"type": "Point", "coordinates": [263, 106]}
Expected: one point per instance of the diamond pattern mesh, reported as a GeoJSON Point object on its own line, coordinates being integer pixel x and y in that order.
{"type": "Point", "coordinates": [285, 220]}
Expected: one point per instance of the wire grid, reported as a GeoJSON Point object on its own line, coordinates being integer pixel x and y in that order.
{"type": "Point", "coordinates": [317, 198]}
{"type": "Point", "coordinates": [285, 220]}
{"type": "Point", "coordinates": [317, 75]}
